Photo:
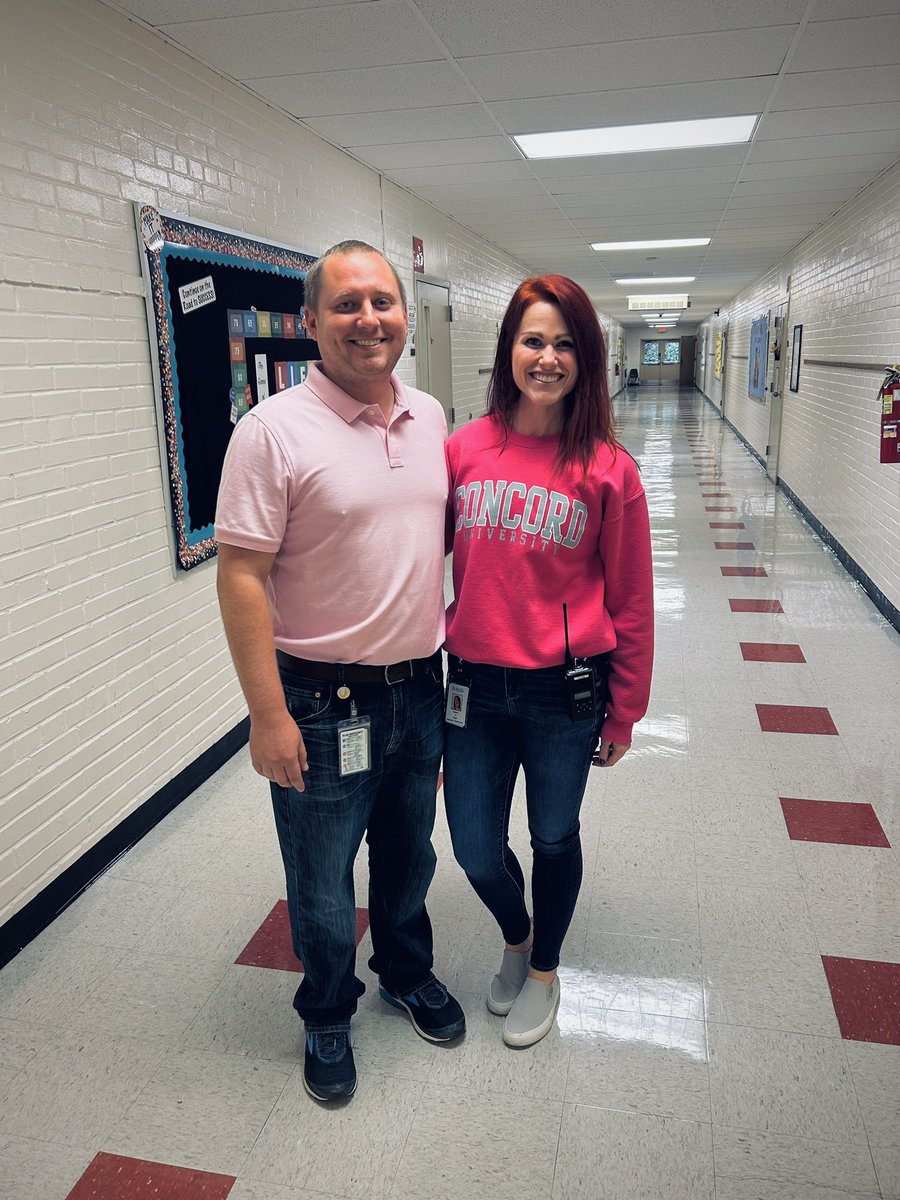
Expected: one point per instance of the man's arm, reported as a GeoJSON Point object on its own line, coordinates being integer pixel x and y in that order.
{"type": "Point", "coordinates": [276, 745]}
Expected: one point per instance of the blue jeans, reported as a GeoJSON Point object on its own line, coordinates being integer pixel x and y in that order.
{"type": "Point", "coordinates": [320, 831]}
{"type": "Point", "coordinates": [519, 718]}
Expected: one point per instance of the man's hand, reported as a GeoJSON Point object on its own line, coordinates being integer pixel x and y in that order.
{"type": "Point", "coordinates": [608, 754]}
{"type": "Point", "coordinates": [277, 751]}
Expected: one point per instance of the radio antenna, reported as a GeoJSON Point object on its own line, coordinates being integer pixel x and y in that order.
{"type": "Point", "coordinates": [566, 628]}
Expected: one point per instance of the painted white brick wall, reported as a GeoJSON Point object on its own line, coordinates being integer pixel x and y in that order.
{"type": "Point", "coordinates": [845, 292]}
{"type": "Point", "coordinates": [115, 674]}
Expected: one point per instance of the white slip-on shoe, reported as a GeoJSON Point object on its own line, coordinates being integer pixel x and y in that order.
{"type": "Point", "coordinates": [507, 983]}
{"type": "Point", "coordinates": [532, 1014]}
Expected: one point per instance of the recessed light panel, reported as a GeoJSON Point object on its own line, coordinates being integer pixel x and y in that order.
{"type": "Point", "coordinates": [635, 139]}
{"type": "Point", "coordinates": [655, 244]}
{"type": "Point", "coordinates": [654, 279]}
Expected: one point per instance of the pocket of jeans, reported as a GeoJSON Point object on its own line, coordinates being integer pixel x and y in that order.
{"type": "Point", "coordinates": [307, 702]}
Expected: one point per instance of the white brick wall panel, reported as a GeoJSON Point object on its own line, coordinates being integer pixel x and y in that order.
{"type": "Point", "coordinates": [844, 292]}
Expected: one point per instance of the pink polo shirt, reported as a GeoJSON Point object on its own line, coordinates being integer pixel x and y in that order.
{"type": "Point", "coordinates": [353, 509]}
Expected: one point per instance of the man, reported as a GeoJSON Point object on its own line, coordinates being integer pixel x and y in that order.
{"type": "Point", "coordinates": [330, 525]}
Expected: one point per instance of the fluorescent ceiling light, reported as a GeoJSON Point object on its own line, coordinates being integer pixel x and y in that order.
{"type": "Point", "coordinates": [634, 139]}
{"type": "Point", "coordinates": [655, 244]}
{"type": "Point", "coordinates": [659, 279]}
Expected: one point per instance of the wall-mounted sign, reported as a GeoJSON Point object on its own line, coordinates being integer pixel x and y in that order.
{"type": "Point", "coordinates": [418, 255]}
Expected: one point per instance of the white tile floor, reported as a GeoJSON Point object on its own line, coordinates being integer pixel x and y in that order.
{"type": "Point", "coordinates": [697, 1055]}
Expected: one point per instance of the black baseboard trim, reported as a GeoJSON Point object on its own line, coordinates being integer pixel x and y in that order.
{"type": "Point", "coordinates": [887, 609]}
{"type": "Point", "coordinates": [38, 913]}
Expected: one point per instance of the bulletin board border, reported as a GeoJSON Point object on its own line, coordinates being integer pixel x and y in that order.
{"type": "Point", "coordinates": [171, 234]}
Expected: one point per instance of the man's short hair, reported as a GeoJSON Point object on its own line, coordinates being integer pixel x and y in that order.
{"type": "Point", "coordinates": [313, 280]}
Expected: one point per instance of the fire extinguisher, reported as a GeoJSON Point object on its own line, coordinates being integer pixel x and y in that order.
{"type": "Point", "coordinates": [889, 395]}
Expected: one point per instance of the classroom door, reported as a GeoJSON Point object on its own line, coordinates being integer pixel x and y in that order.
{"type": "Point", "coordinates": [433, 365]}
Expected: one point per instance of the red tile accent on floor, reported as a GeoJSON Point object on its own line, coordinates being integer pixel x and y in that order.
{"type": "Point", "coordinates": [761, 606]}
{"type": "Point", "coordinates": [114, 1177]}
{"type": "Point", "coordinates": [716, 495]}
{"type": "Point", "coordinates": [866, 999]}
{"type": "Point", "coordinates": [781, 652]}
{"type": "Point", "coordinates": [841, 822]}
{"type": "Point", "coordinates": [734, 545]}
{"type": "Point", "coordinates": [720, 508]}
{"type": "Point", "coordinates": [794, 718]}
{"type": "Point", "coordinates": [726, 525]}
{"type": "Point", "coordinates": [749, 572]}
{"type": "Point", "coordinates": [270, 947]}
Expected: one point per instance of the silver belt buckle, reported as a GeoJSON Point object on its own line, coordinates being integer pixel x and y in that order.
{"type": "Point", "coordinates": [391, 682]}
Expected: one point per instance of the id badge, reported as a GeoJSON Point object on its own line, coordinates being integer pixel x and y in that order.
{"type": "Point", "coordinates": [457, 711]}
{"type": "Point", "coordinates": [354, 746]}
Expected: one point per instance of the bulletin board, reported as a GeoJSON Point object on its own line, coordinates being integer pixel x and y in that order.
{"type": "Point", "coordinates": [226, 324]}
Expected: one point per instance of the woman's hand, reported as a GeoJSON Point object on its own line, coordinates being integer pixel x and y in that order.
{"type": "Point", "coordinates": [608, 754]}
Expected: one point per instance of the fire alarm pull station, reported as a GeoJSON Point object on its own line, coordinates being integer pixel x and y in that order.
{"type": "Point", "coordinates": [889, 395]}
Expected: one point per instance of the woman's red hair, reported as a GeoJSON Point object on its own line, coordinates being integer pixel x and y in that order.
{"type": "Point", "coordinates": [588, 415]}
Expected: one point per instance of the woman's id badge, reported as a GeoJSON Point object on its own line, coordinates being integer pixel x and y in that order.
{"type": "Point", "coordinates": [354, 745]}
{"type": "Point", "coordinates": [457, 711]}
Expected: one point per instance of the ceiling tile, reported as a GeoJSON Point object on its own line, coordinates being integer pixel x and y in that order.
{"type": "Point", "coordinates": [510, 25]}
{"type": "Point", "coordinates": [665, 60]}
{"type": "Point", "coordinates": [333, 93]}
{"type": "Point", "coordinates": [475, 191]}
{"type": "Point", "coordinates": [856, 85]}
{"type": "Point", "coordinates": [886, 142]}
{"type": "Point", "coordinates": [442, 153]}
{"type": "Point", "coordinates": [809, 122]}
{"type": "Point", "coordinates": [862, 167]}
{"type": "Point", "coordinates": [162, 12]}
{"type": "Point", "coordinates": [831, 10]}
{"type": "Point", "coordinates": [399, 125]}
{"type": "Point", "coordinates": [474, 173]}
{"type": "Point", "coordinates": [279, 43]}
{"type": "Point", "coordinates": [855, 42]}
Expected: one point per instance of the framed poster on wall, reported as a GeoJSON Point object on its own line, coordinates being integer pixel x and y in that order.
{"type": "Point", "coordinates": [759, 350]}
{"type": "Point", "coordinates": [226, 325]}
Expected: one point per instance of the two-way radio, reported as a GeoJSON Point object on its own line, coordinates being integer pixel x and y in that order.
{"type": "Point", "coordinates": [581, 686]}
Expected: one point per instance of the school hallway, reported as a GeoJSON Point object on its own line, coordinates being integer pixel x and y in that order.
{"type": "Point", "coordinates": [730, 1017]}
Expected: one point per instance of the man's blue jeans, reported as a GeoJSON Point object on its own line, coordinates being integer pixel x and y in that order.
{"type": "Point", "coordinates": [321, 828]}
{"type": "Point", "coordinates": [519, 718]}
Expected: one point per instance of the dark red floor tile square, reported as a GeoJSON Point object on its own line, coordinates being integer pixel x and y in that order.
{"type": "Point", "coordinates": [734, 545]}
{"type": "Point", "coordinates": [841, 822]}
{"type": "Point", "coordinates": [866, 999]}
{"type": "Point", "coordinates": [794, 718]}
{"type": "Point", "coordinates": [726, 524]}
{"type": "Point", "coordinates": [270, 946]}
{"type": "Point", "coordinates": [781, 652]}
{"type": "Point", "coordinates": [721, 508]}
{"type": "Point", "coordinates": [748, 572]}
{"type": "Point", "coordinates": [758, 606]}
{"type": "Point", "coordinates": [716, 495]}
{"type": "Point", "coordinates": [114, 1177]}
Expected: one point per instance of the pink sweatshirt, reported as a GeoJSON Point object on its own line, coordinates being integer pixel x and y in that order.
{"type": "Point", "coordinates": [526, 540]}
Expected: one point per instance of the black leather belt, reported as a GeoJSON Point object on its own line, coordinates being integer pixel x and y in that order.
{"type": "Point", "coordinates": [357, 672]}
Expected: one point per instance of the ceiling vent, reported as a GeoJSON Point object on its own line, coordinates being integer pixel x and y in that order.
{"type": "Point", "coordinates": [658, 303]}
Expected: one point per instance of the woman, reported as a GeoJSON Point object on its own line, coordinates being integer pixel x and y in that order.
{"type": "Point", "coordinates": [550, 515]}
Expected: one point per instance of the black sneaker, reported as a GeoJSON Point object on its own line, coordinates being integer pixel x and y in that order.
{"type": "Point", "coordinates": [329, 1072]}
{"type": "Point", "coordinates": [435, 1015]}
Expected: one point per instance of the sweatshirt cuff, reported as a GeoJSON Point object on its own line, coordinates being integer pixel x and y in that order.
{"type": "Point", "coordinates": [616, 731]}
